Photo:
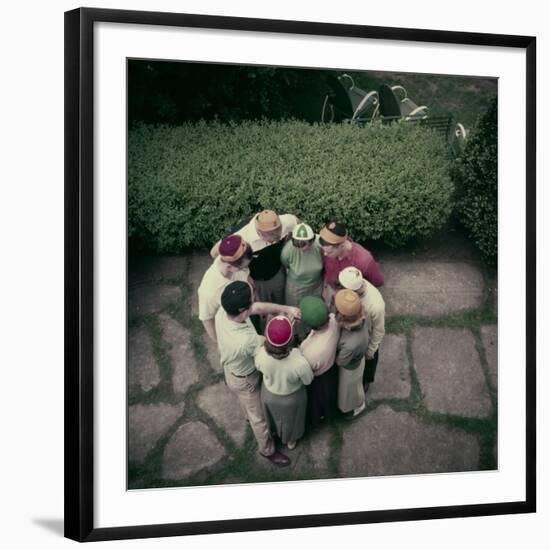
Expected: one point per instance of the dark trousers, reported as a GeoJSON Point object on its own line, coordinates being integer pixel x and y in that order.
{"type": "Point", "coordinates": [321, 397]}
{"type": "Point", "coordinates": [271, 291]}
{"type": "Point", "coordinates": [370, 369]}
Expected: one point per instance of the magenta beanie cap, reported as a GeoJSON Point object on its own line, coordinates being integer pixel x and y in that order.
{"type": "Point", "coordinates": [278, 331]}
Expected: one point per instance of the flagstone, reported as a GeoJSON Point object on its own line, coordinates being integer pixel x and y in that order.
{"type": "Point", "coordinates": [150, 298]}
{"type": "Point", "coordinates": [199, 262]}
{"type": "Point", "coordinates": [445, 243]}
{"type": "Point", "coordinates": [156, 268]}
{"type": "Point", "coordinates": [385, 442]}
{"type": "Point", "coordinates": [449, 371]}
{"type": "Point", "coordinates": [312, 454]}
{"type": "Point", "coordinates": [430, 282]}
{"type": "Point", "coordinates": [492, 285]}
{"type": "Point", "coordinates": [431, 288]}
{"type": "Point", "coordinates": [192, 449]}
{"type": "Point", "coordinates": [220, 403]}
{"type": "Point", "coordinates": [212, 353]}
{"type": "Point", "coordinates": [310, 457]}
{"type": "Point", "coordinates": [184, 365]}
{"type": "Point", "coordinates": [146, 425]}
{"type": "Point", "coordinates": [489, 338]}
{"type": "Point", "coordinates": [393, 380]}
{"type": "Point", "coordinates": [143, 371]}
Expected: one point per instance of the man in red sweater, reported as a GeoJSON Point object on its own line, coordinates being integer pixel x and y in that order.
{"type": "Point", "coordinates": [340, 251]}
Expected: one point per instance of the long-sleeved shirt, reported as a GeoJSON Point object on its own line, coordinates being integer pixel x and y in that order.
{"type": "Point", "coordinates": [238, 343]}
{"type": "Point", "coordinates": [215, 279]}
{"type": "Point", "coordinates": [284, 376]}
{"type": "Point", "coordinates": [304, 268]}
{"type": "Point", "coordinates": [352, 347]}
{"type": "Point", "coordinates": [319, 348]}
{"type": "Point", "coordinates": [375, 309]}
{"type": "Point", "coordinates": [358, 257]}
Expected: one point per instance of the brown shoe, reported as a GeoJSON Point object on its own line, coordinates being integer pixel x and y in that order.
{"type": "Point", "coordinates": [279, 459]}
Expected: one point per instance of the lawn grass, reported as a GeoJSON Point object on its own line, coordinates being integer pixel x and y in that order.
{"type": "Point", "coordinates": [465, 97]}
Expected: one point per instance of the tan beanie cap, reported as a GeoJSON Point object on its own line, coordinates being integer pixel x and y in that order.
{"type": "Point", "coordinates": [267, 220]}
{"type": "Point", "coordinates": [347, 302]}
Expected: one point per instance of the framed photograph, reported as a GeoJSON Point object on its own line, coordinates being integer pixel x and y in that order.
{"type": "Point", "coordinates": [299, 274]}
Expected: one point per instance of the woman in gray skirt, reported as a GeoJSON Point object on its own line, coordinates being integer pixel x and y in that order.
{"type": "Point", "coordinates": [285, 375]}
{"type": "Point", "coordinates": [351, 350]}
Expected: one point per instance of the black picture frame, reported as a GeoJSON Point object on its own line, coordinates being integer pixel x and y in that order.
{"type": "Point", "coordinates": [79, 269]}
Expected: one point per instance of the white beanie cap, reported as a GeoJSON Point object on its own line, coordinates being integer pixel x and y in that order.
{"type": "Point", "coordinates": [351, 278]}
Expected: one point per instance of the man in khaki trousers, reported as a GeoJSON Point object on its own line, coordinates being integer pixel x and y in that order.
{"type": "Point", "coordinates": [238, 343]}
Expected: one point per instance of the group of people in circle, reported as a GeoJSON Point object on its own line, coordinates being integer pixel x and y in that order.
{"type": "Point", "coordinates": [298, 320]}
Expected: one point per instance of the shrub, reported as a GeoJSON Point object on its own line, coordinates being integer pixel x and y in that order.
{"type": "Point", "coordinates": [173, 93]}
{"type": "Point", "coordinates": [475, 176]}
{"type": "Point", "coordinates": [188, 185]}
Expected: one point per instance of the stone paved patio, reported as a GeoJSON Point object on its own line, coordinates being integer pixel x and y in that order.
{"type": "Point", "coordinates": [449, 372]}
{"type": "Point", "coordinates": [431, 409]}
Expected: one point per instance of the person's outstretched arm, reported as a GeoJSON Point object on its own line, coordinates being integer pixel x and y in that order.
{"type": "Point", "coordinates": [266, 308]}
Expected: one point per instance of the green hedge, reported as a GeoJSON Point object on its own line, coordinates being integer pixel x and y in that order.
{"type": "Point", "coordinates": [188, 185]}
{"type": "Point", "coordinates": [475, 175]}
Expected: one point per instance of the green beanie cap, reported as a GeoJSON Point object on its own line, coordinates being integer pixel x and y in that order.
{"type": "Point", "coordinates": [314, 311]}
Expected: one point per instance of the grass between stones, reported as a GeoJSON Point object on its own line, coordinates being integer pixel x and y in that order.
{"type": "Point", "coordinates": [484, 428]}
{"type": "Point", "coordinates": [336, 443]}
{"type": "Point", "coordinates": [163, 392]}
{"type": "Point", "coordinates": [149, 474]}
{"type": "Point", "coordinates": [471, 319]}
{"type": "Point", "coordinates": [243, 464]}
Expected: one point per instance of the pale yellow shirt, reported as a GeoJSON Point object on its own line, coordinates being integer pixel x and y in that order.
{"type": "Point", "coordinates": [319, 348]}
{"type": "Point", "coordinates": [284, 376]}
{"type": "Point", "coordinates": [215, 279]}
{"type": "Point", "coordinates": [238, 344]}
{"type": "Point", "coordinates": [375, 309]}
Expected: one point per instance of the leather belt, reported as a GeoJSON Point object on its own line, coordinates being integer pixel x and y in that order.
{"type": "Point", "coordinates": [241, 375]}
